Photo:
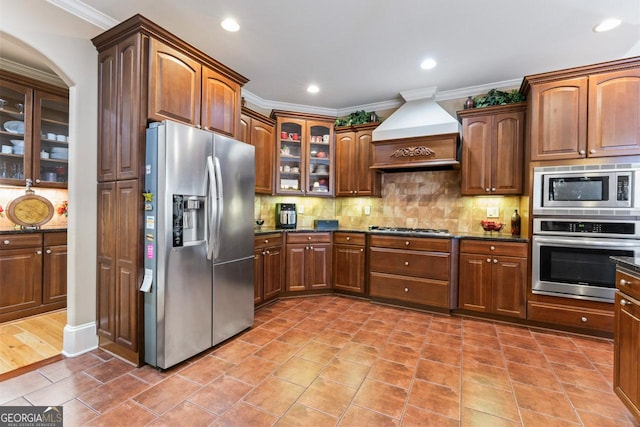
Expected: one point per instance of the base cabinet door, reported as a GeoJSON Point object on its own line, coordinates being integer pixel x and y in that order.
{"type": "Point", "coordinates": [348, 268]}
{"type": "Point", "coordinates": [258, 277]}
{"type": "Point", "coordinates": [296, 260]}
{"type": "Point", "coordinates": [318, 266]}
{"type": "Point", "coordinates": [475, 283]}
{"type": "Point", "coordinates": [20, 279]}
{"type": "Point", "coordinates": [54, 277]}
{"type": "Point", "coordinates": [273, 273]}
{"type": "Point", "coordinates": [626, 380]}
{"type": "Point", "coordinates": [509, 286]}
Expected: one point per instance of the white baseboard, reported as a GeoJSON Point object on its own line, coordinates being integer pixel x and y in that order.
{"type": "Point", "coordinates": [79, 339]}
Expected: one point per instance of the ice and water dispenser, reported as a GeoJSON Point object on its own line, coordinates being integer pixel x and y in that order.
{"type": "Point", "coordinates": [188, 220]}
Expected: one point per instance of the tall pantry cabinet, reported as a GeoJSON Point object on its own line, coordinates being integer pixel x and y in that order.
{"type": "Point", "coordinates": [144, 74]}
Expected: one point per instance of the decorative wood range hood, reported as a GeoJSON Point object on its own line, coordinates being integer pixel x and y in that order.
{"type": "Point", "coordinates": [418, 135]}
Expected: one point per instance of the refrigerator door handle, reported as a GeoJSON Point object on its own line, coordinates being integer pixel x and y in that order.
{"type": "Point", "coordinates": [212, 196]}
{"type": "Point", "coordinates": [220, 204]}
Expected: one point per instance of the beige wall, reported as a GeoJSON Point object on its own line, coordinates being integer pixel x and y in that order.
{"type": "Point", "coordinates": [426, 199]}
{"type": "Point", "coordinates": [64, 40]}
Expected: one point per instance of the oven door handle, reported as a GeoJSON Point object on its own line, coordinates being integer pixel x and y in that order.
{"type": "Point", "coordinates": [587, 242]}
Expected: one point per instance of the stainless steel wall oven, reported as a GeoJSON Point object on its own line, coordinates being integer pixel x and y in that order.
{"type": "Point", "coordinates": [570, 256]}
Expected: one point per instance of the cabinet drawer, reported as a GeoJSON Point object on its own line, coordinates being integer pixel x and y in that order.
{"type": "Point", "coordinates": [13, 241]}
{"type": "Point", "coordinates": [265, 240]}
{"type": "Point", "coordinates": [493, 247]}
{"type": "Point", "coordinates": [55, 239]}
{"type": "Point", "coordinates": [308, 237]}
{"type": "Point", "coordinates": [415, 243]}
{"type": "Point", "coordinates": [410, 263]}
{"type": "Point", "coordinates": [349, 238]}
{"type": "Point", "coordinates": [409, 289]}
{"type": "Point", "coordinates": [571, 316]}
{"type": "Point", "coordinates": [628, 284]}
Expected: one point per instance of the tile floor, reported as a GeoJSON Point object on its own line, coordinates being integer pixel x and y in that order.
{"type": "Point", "coordinates": [330, 360]}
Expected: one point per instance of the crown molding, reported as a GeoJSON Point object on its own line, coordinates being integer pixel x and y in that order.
{"type": "Point", "coordinates": [86, 12]}
{"type": "Point", "coordinates": [476, 90]}
{"type": "Point", "coordinates": [32, 73]}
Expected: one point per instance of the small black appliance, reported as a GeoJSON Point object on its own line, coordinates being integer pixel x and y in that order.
{"type": "Point", "coordinates": [286, 217]}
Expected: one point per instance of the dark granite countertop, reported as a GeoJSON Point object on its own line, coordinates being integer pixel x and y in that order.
{"type": "Point", "coordinates": [43, 229]}
{"type": "Point", "coordinates": [506, 237]}
{"type": "Point", "coordinates": [630, 263]}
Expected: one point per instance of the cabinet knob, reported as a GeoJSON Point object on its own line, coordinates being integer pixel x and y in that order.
{"type": "Point", "coordinates": [199, 127]}
{"type": "Point", "coordinates": [495, 261]}
{"type": "Point", "coordinates": [406, 289]}
{"type": "Point", "coordinates": [38, 252]}
{"type": "Point", "coordinates": [311, 247]}
{"type": "Point", "coordinates": [407, 243]}
{"type": "Point", "coordinates": [622, 281]}
{"type": "Point", "coordinates": [493, 189]}
{"type": "Point", "coordinates": [582, 152]}
{"type": "Point", "coordinates": [37, 180]}
{"type": "Point", "coordinates": [6, 242]}
{"type": "Point", "coordinates": [348, 238]}
{"type": "Point", "coordinates": [361, 250]}
{"type": "Point", "coordinates": [493, 248]}
{"type": "Point", "coordinates": [488, 190]}
{"type": "Point", "coordinates": [584, 319]}
{"type": "Point", "coordinates": [264, 253]}
{"type": "Point", "coordinates": [266, 240]}
{"type": "Point", "coordinates": [624, 302]}
{"type": "Point", "coordinates": [488, 259]}
{"type": "Point", "coordinates": [592, 151]}
{"type": "Point", "coordinates": [48, 251]}
{"type": "Point", "coordinates": [267, 252]}
{"type": "Point", "coordinates": [406, 263]}
{"type": "Point", "coordinates": [308, 237]}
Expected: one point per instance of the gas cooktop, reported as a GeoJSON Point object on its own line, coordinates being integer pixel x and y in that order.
{"type": "Point", "coordinates": [405, 230]}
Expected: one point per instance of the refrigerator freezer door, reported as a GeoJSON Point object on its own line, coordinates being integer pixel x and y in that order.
{"type": "Point", "coordinates": [184, 290]}
{"type": "Point", "coordinates": [232, 298]}
{"type": "Point", "coordinates": [235, 167]}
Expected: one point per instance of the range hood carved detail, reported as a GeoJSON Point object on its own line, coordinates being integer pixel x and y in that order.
{"type": "Point", "coordinates": [413, 152]}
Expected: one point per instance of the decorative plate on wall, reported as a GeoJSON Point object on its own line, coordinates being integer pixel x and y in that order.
{"type": "Point", "coordinates": [30, 210]}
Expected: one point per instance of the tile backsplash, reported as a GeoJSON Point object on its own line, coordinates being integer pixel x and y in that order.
{"type": "Point", "coordinates": [54, 195]}
{"type": "Point", "coordinates": [425, 199]}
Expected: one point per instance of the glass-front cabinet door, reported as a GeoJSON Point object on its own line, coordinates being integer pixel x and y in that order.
{"type": "Point", "coordinates": [320, 167]}
{"type": "Point", "coordinates": [15, 133]}
{"type": "Point", "coordinates": [51, 140]}
{"type": "Point", "coordinates": [290, 155]}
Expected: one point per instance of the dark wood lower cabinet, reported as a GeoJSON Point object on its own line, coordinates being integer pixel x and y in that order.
{"type": "Point", "coordinates": [308, 261]}
{"type": "Point", "coordinates": [119, 302]}
{"type": "Point", "coordinates": [493, 277]}
{"type": "Point", "coordinates": [33, 274]}
{"type": "Point", "coordinates": [349, 262]}
{"type": "Point", "coordinates": [268, 267]}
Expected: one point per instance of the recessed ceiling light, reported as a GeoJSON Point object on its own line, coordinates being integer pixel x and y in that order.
{"type": "Point", "coordinates": [230, 24]}
{"type": "Point", "coordinates": [428, 64]}
{"type": "Point", "coordinates": [313, 89]}
{"type": "Point", "coordinates": [606, 25]}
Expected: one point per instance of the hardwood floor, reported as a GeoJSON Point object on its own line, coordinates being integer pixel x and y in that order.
{"type": "Point", "coordinates": [31, 340]}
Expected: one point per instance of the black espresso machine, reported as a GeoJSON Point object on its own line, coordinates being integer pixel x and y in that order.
{"type": "Point", "coordinates": [286, 217]}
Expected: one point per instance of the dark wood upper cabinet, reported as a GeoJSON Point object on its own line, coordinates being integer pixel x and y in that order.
{"type": "Point", "coordinates": [492, 150]}
{"type": "Point", "coordinates": [354, 156]}
{"type": "Point", "coordinates": [220, 103]}
{"type": "Point", "coordinates": [583, 112]}
{"type": "Point", "coordinates": [258, 130]}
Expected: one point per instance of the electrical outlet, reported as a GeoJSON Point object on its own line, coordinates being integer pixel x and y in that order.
{"type": "Point", "coordinates": [493, 212]}
{"type": "Point", "coordinates": [367, 210]}
{"type": "Point", "coordinates": [300, 209]}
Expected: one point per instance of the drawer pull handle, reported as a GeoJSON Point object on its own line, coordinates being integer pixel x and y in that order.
{"type": "Point", "coordinates": [267, 252]}
{"type": "Point", "coordinates": [407, 243]}
{"type": "Point", "coordinates": [583, 319]}
{"type": "Point", "coordinates": [495, 261]}
{"type": "Point", "coordinates": [406, 263]}
{"type": "Point", "coordinates": [624, 302]}
{"type": "Point", "coordinates": [308, 237]}
{"type": "Point", "coordinates": [38, 252]}
{"type": "Point", "coordinates": [361, 250]}
{"type": "Point", "coordinates": [266, 240]}
{"type": "Point", "coordinates": [592, 151]}
{"type": "Point", "coordinates": [48, 251]}
{"type": "Point", "coordinates": [311, 247]}
{"type": "Point", "coordinates": [348, 238]}
{"type": "Point", "coordinates": [582, 152]}
{"type": "Point", "coordinates": [493, 248]}
{"type": "Point", "coordinates": [488, 259]}
{"type": "Point", "coordinates": [406, 289]}
{"type": "Point", "coordinates": [6, 242]}
{"type": "Point", "coordinates": [625, 282]}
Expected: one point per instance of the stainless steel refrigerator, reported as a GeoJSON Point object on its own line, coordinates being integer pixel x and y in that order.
{"type": "Point", "coordinates": [199, 199]}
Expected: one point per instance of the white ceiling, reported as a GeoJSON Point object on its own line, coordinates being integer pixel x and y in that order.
{"type": "Point", "coordinates": [362, 52]}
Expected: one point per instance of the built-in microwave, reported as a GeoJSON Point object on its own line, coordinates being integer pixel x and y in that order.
{"type": "Point", "coordinates": [607, 189]}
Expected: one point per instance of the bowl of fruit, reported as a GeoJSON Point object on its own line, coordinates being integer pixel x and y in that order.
{"type": "Point", "coordinates": [491, 225]}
